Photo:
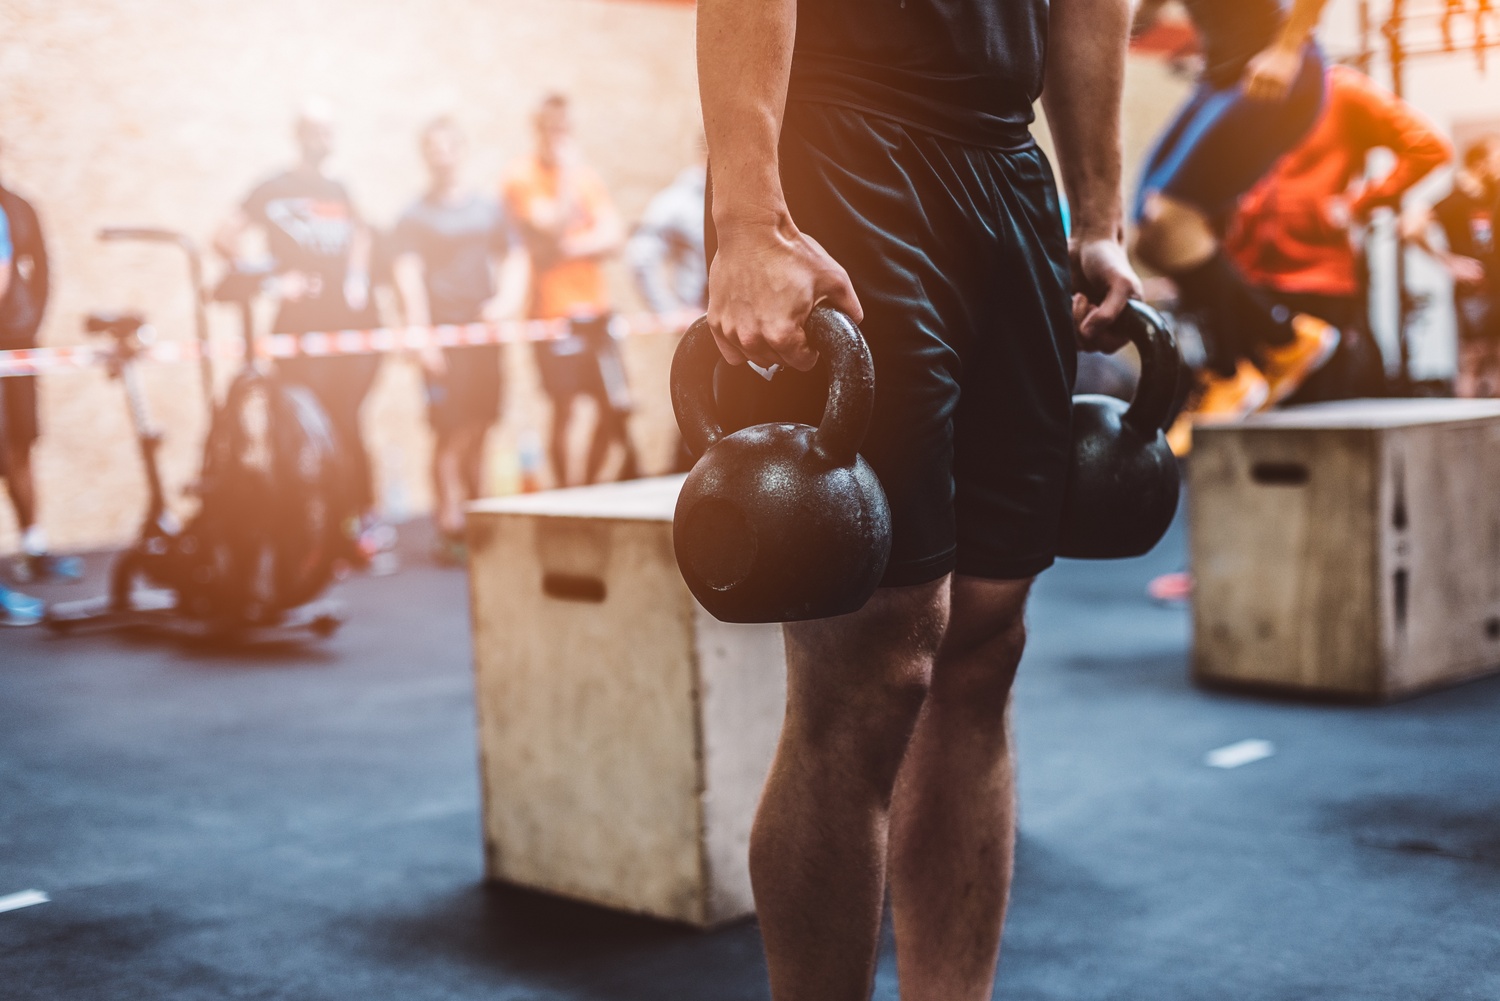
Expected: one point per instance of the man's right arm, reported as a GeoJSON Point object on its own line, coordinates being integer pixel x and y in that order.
{"type": "Point", "coordinates": [767, 275]}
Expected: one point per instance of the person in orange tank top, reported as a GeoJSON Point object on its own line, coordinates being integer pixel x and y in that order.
{"type": "Point", "coordinates": [569, 227]}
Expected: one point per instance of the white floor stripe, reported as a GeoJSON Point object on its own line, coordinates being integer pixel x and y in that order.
{"type": "Point", "coordinates": [1240, 753]}
{"type": "Point", "coordinates": [25, 898]}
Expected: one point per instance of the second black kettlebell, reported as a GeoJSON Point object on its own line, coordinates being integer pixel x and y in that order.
{"type": "Point", "coordinates": [1124, 483]}
{"type": "Point", "coordinates": [780, 522]}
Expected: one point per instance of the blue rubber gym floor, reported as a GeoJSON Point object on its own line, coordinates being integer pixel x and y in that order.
{"type": "Point", "coordinates": [302, 823]}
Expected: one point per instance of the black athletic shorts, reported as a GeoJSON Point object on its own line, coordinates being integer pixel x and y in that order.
{"type": "Point", "coordinates": [959, 258]}
{"type": "Point", "coordinates": [586, 363]}
{"type": "Point", "coordinates": [468, 393]}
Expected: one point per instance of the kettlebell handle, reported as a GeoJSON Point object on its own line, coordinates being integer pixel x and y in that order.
{"type": "Point", "coordinates": [1157, 390]}
{"type": "Point", "coordinates": [851, 389]}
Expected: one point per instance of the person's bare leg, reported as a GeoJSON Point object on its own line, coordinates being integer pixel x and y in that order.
{"type": "Point", "coordinates": [953, 820]}
{"type": "Point", "coordinates": [562, 419]}
{"type": "Point", "coordinates": [855, 685]}
{"type": "Point", "coordinates": [603, 437]}
{"type": "Point", "coordinates": [471, 461]}
{"type": "Point", "coordinates": [446, 485]}
{"type": "Point", "coordinates": [19, 483]}
{"type": "Point", "coordinates": [1173, 236]}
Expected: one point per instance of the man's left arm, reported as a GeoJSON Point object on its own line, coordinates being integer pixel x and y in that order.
{"type": "Point", "coordinates": [1082, 95]}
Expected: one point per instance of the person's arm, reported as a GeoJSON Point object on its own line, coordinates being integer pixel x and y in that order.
{"type": "Point", "coordinates": [1084, 83]}
{"type": "Point", "coordinates": [231, 231]}
{"type": "Point", "coordinates": [411, 289]}
{"type": "Point", "coordinates": [1418, 146]}
{"type": "Point", "coordinates": [416, 311]}
{"type": "Point", "coordinates": [1416, 230]}
{"type": "Point", "coordinates": [647, 251]}
{"type": "Point", "coordinates": [39, 279]}
{"type": "Point", "coordinates": [1270, 75]}
{"type": "Point", "coordinates": [767, 275]}
{"type": "Point", "coordinates": [357, 276]}
{"type": "Point", "coordinates": [606, 231]}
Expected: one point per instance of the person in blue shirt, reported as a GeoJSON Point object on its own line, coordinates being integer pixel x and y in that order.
{"type": "Point", "coordinates": [16, 609]}
{"type": "Point", "coordinates": [23, 301]}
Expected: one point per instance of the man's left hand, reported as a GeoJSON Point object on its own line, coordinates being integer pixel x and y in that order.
{"type": "Point", "coordinates": [1102, 267]}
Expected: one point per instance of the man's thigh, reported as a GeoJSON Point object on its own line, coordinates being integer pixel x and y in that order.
{"type": "Point", "coordinates": [926, 229]}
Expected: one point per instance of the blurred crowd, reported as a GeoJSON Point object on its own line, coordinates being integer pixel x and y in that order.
{"type": "Point", "coordinates": [534, 246]}
{"type": "Point", "coordinates": [1268, 261]}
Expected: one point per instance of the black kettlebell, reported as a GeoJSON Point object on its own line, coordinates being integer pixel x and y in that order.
{"type": "Point", "coordinates": [780, 522]}
{"type": "Point", "coordinates": [1124, 482]}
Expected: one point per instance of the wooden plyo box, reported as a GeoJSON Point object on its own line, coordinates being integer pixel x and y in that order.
{"type": "Point", "coordinates": [1349, 549]}
{"type": "Point", "coordinates": [624, 733]}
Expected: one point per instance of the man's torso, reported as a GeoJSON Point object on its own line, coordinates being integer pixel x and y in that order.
{"type": "Point", "coordinates": [966, 69]}
{"type": "Point", "coordinates": [560, 287]}
{"type": "Point", "coordinates": [309, 222]}
{"type": "Point", "coordinates": [455, 241]}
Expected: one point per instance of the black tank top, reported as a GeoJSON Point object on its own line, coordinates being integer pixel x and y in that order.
{"type": "Point", "coordinates": [967, 69]}
{"type": "Point", "coordinates": [1232, 32]}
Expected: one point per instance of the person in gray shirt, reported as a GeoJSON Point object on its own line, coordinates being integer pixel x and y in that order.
{"type": "Point", "coordinates": [449, 246]}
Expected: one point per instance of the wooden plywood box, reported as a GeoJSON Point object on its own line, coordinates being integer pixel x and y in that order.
{"type": "Point", "coordinates": [624, 733]}
{"type": "Point", "coordinates": [1350, 549]}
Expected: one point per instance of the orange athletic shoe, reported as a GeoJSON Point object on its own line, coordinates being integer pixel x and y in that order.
{"type": "Point", "coordinates": [1221, 400]}
{"type": "Point", "coordinates": [1288, 366]}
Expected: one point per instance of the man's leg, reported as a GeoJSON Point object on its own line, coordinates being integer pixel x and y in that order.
{"type": "Point", "coordinates": [447, 482]}
{"type": "Point", "coordinates": [557, 451]}
{"type": "Point", "coordinates": [953, 819]}
{"type": "Point", "coordinates": [19, 482]}
{"type": "Point", "coordinates": [855, 686]}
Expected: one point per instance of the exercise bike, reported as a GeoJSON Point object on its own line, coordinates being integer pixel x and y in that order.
{"type": "Point", "coordinates": [267, 533]}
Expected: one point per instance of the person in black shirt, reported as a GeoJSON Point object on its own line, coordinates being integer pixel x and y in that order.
{"type": "Point", "coordinates": [1471, 255]}
{"type": "Point", "coordinates": [875, 155]}
{"type": "Point", "coordinates": [23, 303]}
{"type": "Point", "coordinates": [448, 245]}
{"type": "Point", "coordinates": [320, 247]}
{"type": "Point", "coordinates": [1260, 93]}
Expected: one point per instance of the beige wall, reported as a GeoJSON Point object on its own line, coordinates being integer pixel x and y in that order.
{"type": "Point", "coordinates": [163, 112]}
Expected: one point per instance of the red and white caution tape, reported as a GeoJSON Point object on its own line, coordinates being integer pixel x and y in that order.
{"type": "Point", "coordinates": [318, 344]}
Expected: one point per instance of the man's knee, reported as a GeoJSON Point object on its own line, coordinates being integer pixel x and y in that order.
{"type": "Point", "coordinates": [977, 663]}
{"type": "Point", "coordinates": [1172, 234]}
{"type": "Point", "coordinates": [858, 682]}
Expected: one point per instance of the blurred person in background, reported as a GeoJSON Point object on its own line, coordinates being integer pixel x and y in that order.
{"type": "Point", "coordinates": [320, 250]}
{"type": "Point", "coordinates": [449, 245]}
{"type": "Point", "coordinates": [665, 250]}
{"type": "Point", "coordinates": [23, 301]}
{"type": "Point", "coordinates": [1466, 218]}
{"type": "Point", "coordinates": [1260, 92]}
{"type": "Point", "coordinates": [1295, 234]}
{"type": "Point", "coordinates": [568, 226]}
{"type": "Point", "coordinates": [16, 609]}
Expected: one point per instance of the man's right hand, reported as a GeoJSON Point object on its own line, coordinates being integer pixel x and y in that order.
{"type": "Point", "coordinates": [765, 280]}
